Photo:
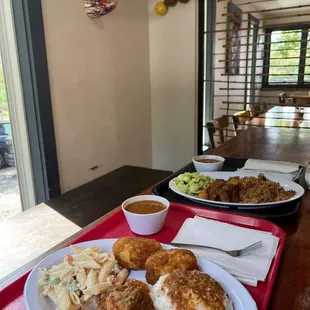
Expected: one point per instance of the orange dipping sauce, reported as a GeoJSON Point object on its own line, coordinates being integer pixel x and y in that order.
{"type": "Point", "coordinates": [145, 207]}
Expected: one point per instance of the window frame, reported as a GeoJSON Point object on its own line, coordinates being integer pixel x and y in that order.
{"type": "Point", "coordinates": [30, 38]}
{"type": "Point", "coordinates": [302, 60]}
{"type": "Point", "coordinates": [252, 21]}
{"type": "Point", "coordinates": [205, 63]}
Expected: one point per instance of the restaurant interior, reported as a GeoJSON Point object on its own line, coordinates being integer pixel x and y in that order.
{"type": "Point", "coordinates": [169, 154]}
{"type": "Point", "coordinates": [260, 76]}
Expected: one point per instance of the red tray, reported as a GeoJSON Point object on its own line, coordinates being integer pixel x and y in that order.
{"type": "Point", "coordinates": [11, 297]}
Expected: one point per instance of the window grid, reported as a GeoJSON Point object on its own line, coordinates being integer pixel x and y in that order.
{"type": "Point", "coordinates": [302, 63]}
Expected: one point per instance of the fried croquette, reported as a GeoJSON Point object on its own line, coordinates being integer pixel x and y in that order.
{"type": "Point", "coordinates": [190, 290]}
{"type": "Point", "coordinates": [132, 253]}
{"type": "Point", "coordinates": [166, 261]}
{"type": "Point", "coordinates": [128, 297]}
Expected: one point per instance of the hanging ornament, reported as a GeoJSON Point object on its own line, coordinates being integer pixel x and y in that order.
{"type": "Point", "coordinates": [184, 1]}
{"type": "Point", "coordinates": [171, 2]}
{"type": "Point", "coordinates": [161, 9]}
{"type": "Point", "coordinates": [97, 8]}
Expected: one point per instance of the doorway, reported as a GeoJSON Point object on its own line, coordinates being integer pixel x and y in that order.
{"type": "Point", "coordinates": [10, 202]}
{"type": "Point", "coordinates": [17, 191]}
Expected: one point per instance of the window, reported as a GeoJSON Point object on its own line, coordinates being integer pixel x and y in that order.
{"type": "Point", "coordinates": [251, 77]}
{"type": "Point", "coordinates": [287, 55]}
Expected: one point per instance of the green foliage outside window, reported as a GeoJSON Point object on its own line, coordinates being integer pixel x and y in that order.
{"type": "Point", "coordinates": [284, 56]}
{"type": "Point", "coordinates": [3, 97]}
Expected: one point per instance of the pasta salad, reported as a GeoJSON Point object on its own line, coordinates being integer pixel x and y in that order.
{"type": "Point", "coordinates": [80, 276]}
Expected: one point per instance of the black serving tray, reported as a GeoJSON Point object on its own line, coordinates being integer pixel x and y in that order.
{"type": "Point", "coordinates": [284, 210]}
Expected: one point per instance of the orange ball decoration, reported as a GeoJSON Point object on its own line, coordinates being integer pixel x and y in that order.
{"type": "Point", "coordinates": [161, 9]}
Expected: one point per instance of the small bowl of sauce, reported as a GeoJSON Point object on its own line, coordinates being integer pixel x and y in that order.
{"type": "Point", "coordinates": [146, 214]}
{"type": "Point", "coordinates": [206, 163]}
{"type": "Point", "coordinates": [145, 207]}
{"type": "Point", "coordinates": [208, 160]}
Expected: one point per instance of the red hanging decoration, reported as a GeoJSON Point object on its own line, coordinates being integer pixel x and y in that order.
{"type": "Point", "coordinates": [97, 8]}
{"type": "Point", "coordinates": [171, 2]}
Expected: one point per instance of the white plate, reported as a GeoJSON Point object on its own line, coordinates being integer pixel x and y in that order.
{"type": "Point", "coordinates": [34, 300]}
{"type": "Point", "coordinates": [286, 184]}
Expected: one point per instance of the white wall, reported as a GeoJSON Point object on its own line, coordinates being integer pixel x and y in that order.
{"type": "Point", "coordinates": [173, 55]}
{"type": "Point", "coordinates": [100, 86]}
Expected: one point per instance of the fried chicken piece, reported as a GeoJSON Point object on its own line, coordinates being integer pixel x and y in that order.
{"type": "Point", "coordinates": [216, 191]}
{"type": "Point", "coordinates": [138, 283]}
{"type": "Point", "coordinates": [224, 193]}
{"type": "Point", "coordinates": [234, 181]}
{"type": "Point", "coordinates": [166, 261]}
{"type": "Point", "coordinates": [235, 194]}
{"type": "Point", "coordinates": [128, 297]}
{"type": "Point", "coordinates": [132, 253]}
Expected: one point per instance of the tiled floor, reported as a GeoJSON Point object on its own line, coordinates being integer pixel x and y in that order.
{"type": "Point", "coordinates": [30, 234]}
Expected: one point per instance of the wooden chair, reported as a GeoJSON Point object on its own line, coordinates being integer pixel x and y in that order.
{"type": "Point", "coordinates": [217, 125]}
{"type": "Point", "coordinates": [240, 119]}
{"type": "Point", "coordinates": [282, 97]}
{"type": "Point", "coordinates": [256, 109]}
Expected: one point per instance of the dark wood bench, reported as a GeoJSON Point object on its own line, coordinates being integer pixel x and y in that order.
{"type": "Point", "coordinates": [86, 203]}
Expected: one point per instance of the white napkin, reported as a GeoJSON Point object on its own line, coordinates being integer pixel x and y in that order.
{"type": "Point", "coordinates": [248, 269]}
{"type": "Point", "coordinates": [277, 168]}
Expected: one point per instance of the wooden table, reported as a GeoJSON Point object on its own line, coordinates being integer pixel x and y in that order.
{"type": "Point", "coordinates": [292, 287]}
{"type": "Point", "coordinates": [288, 144]}
{"type": "Point", "coordinates": [281, 116]}
{"type": "Point", "coordinates": [300, 99]}
{"type": "Point", "coordinates": [287, 109]}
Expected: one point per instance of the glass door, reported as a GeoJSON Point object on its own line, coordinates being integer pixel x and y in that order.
{"type": "Point", "coordinates": [16, 172]}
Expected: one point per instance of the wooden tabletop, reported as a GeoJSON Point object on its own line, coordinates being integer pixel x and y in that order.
{"type": "Point", "coordinates": [287, 117]}
{"type": "Point", "coordinates": [288, 144]}
{"type": "Point", "coordinates": [301, 99]}
{"type": "Point", "coordinates": [287, 109]}
{"type": "Point", "coordinates": [292, 287]}
{"type": "Point", "coordinates": [300, 96]}
{"type": "Point", "coordinates": [298, 116]}
{"type": "Point", "coordinates": [285, 123]}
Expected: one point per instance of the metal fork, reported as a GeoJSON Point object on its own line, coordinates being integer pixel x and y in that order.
{"type": "Point", "coordinates": [234, 253]}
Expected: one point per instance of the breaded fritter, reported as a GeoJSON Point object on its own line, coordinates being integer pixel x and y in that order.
{"type": "Point", "coordinates": [132, 253]}
{"type": "Point", "coordinates": [128, 297]}
{"type": "Point", "coordinates": [166, 261]}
